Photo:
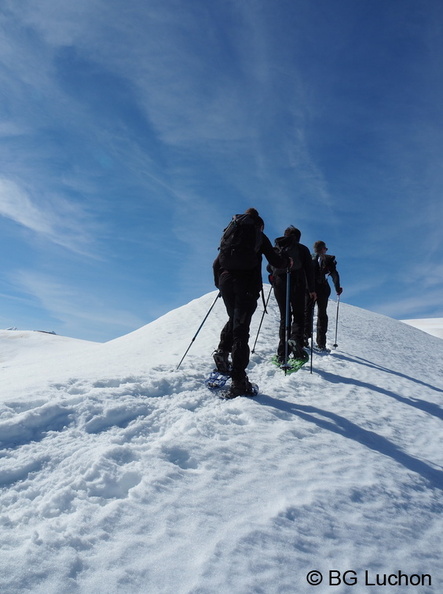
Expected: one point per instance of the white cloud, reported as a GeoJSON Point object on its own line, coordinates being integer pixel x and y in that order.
{"type": "Point", "coordinates": [409, 306]}
{"type": "Point", "coordinates": [10, 129]}
{"type": "Point", "coordinates": [16, 205]}
{"type": "Point", "coordinates": [57, 220]}
{"type": "Point", "coordinates": [73, 306]}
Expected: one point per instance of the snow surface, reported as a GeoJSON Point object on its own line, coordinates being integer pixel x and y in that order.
{"type": "Point", "coordinates": [433, 326]}
{"type": "Point", "coordinates": [120, 473]}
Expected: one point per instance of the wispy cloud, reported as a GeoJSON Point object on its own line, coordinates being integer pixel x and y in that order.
{"type": "Point", "coordinates": [56, 220]}
{"type": "Point", "coordinates": [409, 307]}
{"type": "Point", "coordinates": [202, 91]}
{"type": "Point", "coordinates": [424, 293]}
{"type": "Point", "coordinates": [79, 312]}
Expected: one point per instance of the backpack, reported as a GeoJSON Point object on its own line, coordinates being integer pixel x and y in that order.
{"type": "Point", "coordinates": [293, 251]}
{"type": "Point", "coordinates": [240, 243]}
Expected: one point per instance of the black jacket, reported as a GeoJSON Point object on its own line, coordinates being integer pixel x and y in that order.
{"type": "Point", "coordinates": [302, 271]}
{"type": "Point", "coordinates": [324, 266]}
{"type": "Point", "coordinates": [253, 276]}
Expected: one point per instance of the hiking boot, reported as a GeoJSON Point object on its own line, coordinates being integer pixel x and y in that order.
{"type": "Point", "coordinates": [221, 359]}
{"type": "Point", "coordinates": [242, 387]}
{"type": "Point", "coordinates": [323, 349]}
{"type": "Point", "coordinates": [297, 351]}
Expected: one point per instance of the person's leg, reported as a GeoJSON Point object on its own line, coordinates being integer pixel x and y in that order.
{"type": "Point", "coordinates": [221, 355]}
{"type": "Point", "coordinates": [280, 296]}
{"type": "Point", "coordinates": [245, 306]}
{"type": "Point", "coordinates": [322, 315]}
{"type": "Point", "coordinates": [309, 316]}
{"type": "Point", "coordinates": [298, 324]}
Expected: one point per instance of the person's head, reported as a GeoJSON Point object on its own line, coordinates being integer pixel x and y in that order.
{"type": "Point", "coordinates": [320, 247]}
{"type": "Point", "coordinates": [254, 213]}
{"type": "Point", "coordinates": [292, 231]}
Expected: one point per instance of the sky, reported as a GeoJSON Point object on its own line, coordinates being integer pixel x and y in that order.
{"type": "Point", "coordinates": [131, 132]}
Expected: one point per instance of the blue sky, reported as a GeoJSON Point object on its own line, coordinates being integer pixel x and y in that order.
{"type": "Point", "coordinates": [131, 131]}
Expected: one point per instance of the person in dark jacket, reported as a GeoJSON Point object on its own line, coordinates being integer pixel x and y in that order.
{"type": "Point", "coordinates": [301, 280]}
{"type": "Point", "coordinates": [324, 266]}
{"type": "Point", "coordinates": [240, 290]}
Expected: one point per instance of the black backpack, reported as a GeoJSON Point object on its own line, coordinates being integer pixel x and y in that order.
{"type": "Point", "coordinates": [293, 251]}
{"type": "Point", "coordinates": [240, 243]}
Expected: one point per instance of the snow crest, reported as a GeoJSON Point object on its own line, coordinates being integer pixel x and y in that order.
{"type": "Point", "coordinates": [120, 473]}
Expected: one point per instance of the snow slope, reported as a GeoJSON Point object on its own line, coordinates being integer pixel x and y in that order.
{"type": "Point", "coordinates": [120, 473]}
{"type": "Point", "coordinates": [433, 326]}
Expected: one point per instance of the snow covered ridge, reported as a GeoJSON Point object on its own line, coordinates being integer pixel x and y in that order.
{"type": "Point", "coordinates": [120, 474]}
{"type": "Point", "coordinates": [433, 326]}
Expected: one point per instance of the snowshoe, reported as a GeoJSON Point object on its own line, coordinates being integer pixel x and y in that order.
{"type": "Point", "coordinates": [292, 365]}
{"type": "Point", "coordinates": [321, 350]}
{"type": "Point", "coordinates": [216, 380]}
{"type": "Point", "coordinates": [241, 387]}
{"type": "Point", "coordinates": [249, 390]}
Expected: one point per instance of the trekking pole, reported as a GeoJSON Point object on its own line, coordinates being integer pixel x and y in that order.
{"type": "Point", "coordinates": [200, 327]}
{"type": "Point", "coordinates": [263, 315]}
{"type": "Point", "coordinates": [335, 345]}
{"type": "Point", "coordinates": [288, 318]}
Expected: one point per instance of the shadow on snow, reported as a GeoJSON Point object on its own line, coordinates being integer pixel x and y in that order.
{"type": "Point", "coordinates": [342, 426]}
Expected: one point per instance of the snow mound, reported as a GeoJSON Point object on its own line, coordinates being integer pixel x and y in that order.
{"type": "Point", "coordinates": [433, 326]}
{"type": "Point", "coordinates": [120, 473]}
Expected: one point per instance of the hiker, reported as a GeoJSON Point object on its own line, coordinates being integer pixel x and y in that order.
{"type": "Point", "coordinates": [324, 265]}
{"type": "Point", "coordinates": [301, 280]}
{"type": "Point", "coordinates": [237, 274]}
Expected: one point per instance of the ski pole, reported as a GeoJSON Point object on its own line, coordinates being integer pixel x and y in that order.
{"type": "Point", "coordinates": [200, 327]}
{"type": "Point", "coordinates": [263, 315]}
{"type": "Point", "coordinates": [336, 322]}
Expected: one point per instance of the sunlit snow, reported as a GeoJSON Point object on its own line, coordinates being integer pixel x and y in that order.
{"type": "Point", "coordinates": [121, 474]}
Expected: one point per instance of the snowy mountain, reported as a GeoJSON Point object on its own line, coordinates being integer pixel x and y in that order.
{"type": "Point", "coordinates": [433, 326]}
{"type": "Point", "coordinates": [120, 473]}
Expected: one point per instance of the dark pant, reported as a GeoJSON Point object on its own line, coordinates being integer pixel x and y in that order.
{"type": "Point", "coordinates": [241, 304]}
{"type": "Point", "coordinates": [323, 292]}
{"type": "Point", "coordinates": [296, 320]}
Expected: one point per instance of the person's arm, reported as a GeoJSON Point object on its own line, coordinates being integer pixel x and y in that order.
{"type": "Point", "coordinates": [216, 270]}
{"type": "Point", "coordinates": [275, 259]}
{"type": "Point", "coordinates": [333, 272]}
